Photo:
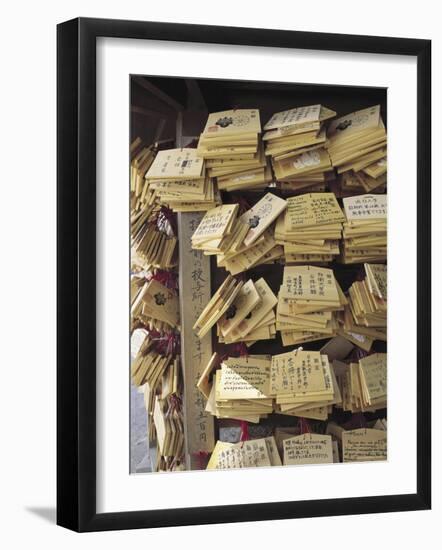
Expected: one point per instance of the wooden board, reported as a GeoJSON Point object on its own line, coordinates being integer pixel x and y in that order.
{"type": "Point", "coordinates": [195, 293]}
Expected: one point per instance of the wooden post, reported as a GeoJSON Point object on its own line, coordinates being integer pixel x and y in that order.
{"type": "Point", "coordinates": [195, 293]}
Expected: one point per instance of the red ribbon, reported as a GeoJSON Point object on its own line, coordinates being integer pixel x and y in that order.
{"type": "Point", "coordinates": [167, 278]}
{"type": "Point", "coordinates": [244, 430]}
{"type": "Point", "coordinates": [175, 402]}
{"type": "Point", "coordinates": [166, 343]}
{"type": "Point", "coordinates": [304, 426]}
{"type": "Point", "coordinates": [240, 350]}
{"type": "Point", "coordinates": [202, 457]}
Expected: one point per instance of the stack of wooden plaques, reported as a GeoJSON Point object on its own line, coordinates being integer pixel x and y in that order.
{"type": "Point", "coordinates": [310, 228]}
{"type": "Point", "coordinates": [295, 140]}
{"type": "Point", "coordinates": [365, 318]}
{"type": "Point", "coordinates": [169, 429]}
{"type": "Point", "coordinates": [308, 299]}
{"type": "Point", "coordinates": [304, 384]}
{"type": "Point", "coordinates": [261, 216]}
{"type": "Point", "coordinates": [241, 242]}
{"type": "Point", "coordinates": [308, 171]}
{"type": "Point", "coordinates": [252, 453]}
{"type": "Point", "coordinates": [365, 231]}
{"type": "Point", "coordinates": [308, 448]}
{"type": "Point", "coordinates": [149, 365]}
{"type": "Point", "coordinates": [141, 158]}
{"type": "Point", "coordinates": [240, 389]}
{"type": "Point", "coordinates": [351, 183]}
{"type": "Point", "coordinates": [231, 145]}
{"type": "Point", "coordinates": [364, 385]}
{"type": "Point", "coordinates": [357, 140]}
{"type": "Point", "coordinates": [218, 305]}
{"type": "Point", "coordinates": [178, 179]}
{"type": "Point", "coordinates": [158, 376]}
{"type": "Point", "coordinates": [364, 444]}
{"type": "Point", "coordinates": [156, 306]}
{"type": "Point", "coordinates": [243, 312]}
{"type": "Point", "coordinates": [373, 177]}
{"type": "Point", "coordinates": [263, 251]}
{"type": "Point", "coordinates": [241, 175]}
{"type": "Point", "coordinates": [361, 444]}
{"type": "Point", "coordinates": [152, 239]}
{"type": "Point", "coordinates": [136, 284]}
{"type": "Point", "coordinates": [258, 324]}
{"type": "Point", "coordinates": [218, 229]}
{"type": "Point", "coordinates": [246, 300]}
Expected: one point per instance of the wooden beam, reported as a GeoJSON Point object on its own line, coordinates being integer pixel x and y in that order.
{"type": "Point", "coordinates": [195, 98]}
{"type": "Point", "coordinates": [144, 83]}
{"type": "Point", "coordinates": [195, 293]}
{"type": "Point", "coordinates": [159, 129]}
{"type": "Point", "coordinates": [179, 130]}
{"type": "Point", "coordinates": [146, 112]}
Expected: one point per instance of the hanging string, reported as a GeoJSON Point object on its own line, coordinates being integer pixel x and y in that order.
{"type": "Point", "coordinates": [304, 426]}
{"type": "Point", "coordinates": [176, 402]}
{"type": "Point", "coordinates": [202, 457]}
{"type": "Point", "coordinates": [234, 350]}
{"type": "Point", "coordinates": [240, 350]}
{"type": "Point", "coordinates": [244, 425]}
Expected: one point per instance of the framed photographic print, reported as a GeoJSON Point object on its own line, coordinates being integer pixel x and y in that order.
{"type": "Point", "coordinates": [229, 200]}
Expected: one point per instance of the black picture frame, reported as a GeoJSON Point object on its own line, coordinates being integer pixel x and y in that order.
{"type": "Point", "coordinates": [76, 273]}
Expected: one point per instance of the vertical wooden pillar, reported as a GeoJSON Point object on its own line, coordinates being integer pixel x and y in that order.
{"type": "Point", "coordinates": [195, 293]}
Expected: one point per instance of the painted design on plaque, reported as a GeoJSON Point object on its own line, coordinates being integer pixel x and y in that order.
{"type": "Point", "coordinates": [307, 159]}
{"type": "Point", "coordinates": [241, 120]}
{"type": "Point", "coordinates": [254, 221]}
{"type": "Point", "coordinates": [224, 121]}
{"type": "Point", "coordinates": [160, 299]}
{"type": "Point", "coordinates": [231, 312]}
{"type": "Point", "coordinates": [343, 125]}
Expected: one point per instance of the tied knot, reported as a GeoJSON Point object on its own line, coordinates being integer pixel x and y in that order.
{"type": "Point", "coordinates": [165, 343]}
